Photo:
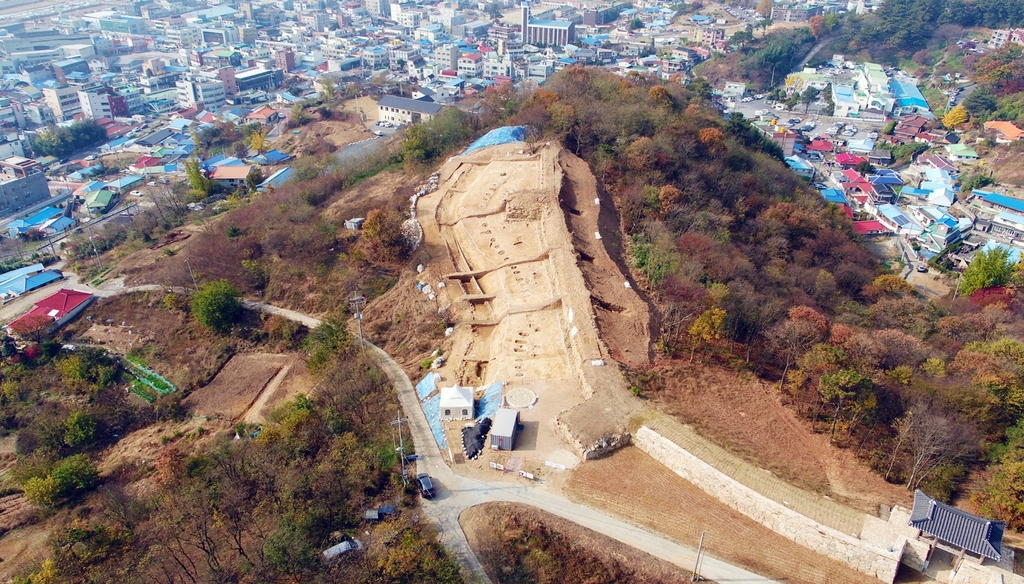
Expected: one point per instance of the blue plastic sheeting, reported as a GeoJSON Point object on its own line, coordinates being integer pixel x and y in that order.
{"type": "Point", "coordinates": [490, 401]}
{"type": "Point", "coordinates": [427, 385]}
{"type": "Point", "coordinates": [432, 409]}
{"type": "Point", "coordinates": [502, 135]}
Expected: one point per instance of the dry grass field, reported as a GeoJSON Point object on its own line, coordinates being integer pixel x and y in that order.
{"type": "Point", "coordinates": [637, 488]}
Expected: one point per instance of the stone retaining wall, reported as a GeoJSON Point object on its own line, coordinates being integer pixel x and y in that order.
{"type": "Point", "coordinates": [880, 562]}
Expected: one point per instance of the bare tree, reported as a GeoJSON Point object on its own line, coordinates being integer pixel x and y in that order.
{"type": "Point", "coordinates": [791, 338]}
{"type": "Point", "coordinates": [935, 439]}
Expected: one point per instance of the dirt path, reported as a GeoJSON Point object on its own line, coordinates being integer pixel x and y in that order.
{"type": "Point", "coordinates": [254, 414]}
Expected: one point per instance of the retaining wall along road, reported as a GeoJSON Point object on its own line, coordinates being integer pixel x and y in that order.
{"type": "Point", "coordinates": [880, 562]}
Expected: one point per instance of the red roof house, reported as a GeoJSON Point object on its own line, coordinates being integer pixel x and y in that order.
{"type": "Point", "coordinates": [869, 228]}
{"type": "Point", "coordinates": [821, 146]}
{"type": "Point", "coordinates": [849, 160]}
{"type": "Point", "coordinates": [57, 309]}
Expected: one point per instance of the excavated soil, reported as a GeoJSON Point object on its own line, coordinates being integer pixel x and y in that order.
{"type": "Point", "coordinates": [504, 238]}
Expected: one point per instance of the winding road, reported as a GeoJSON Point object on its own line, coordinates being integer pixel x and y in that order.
{"type": "Point", "coordinates": [455, 492]}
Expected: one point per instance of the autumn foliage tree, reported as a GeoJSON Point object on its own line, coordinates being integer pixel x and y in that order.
{"type": "Point", "coordinates": [383, 236]}
{"type": "Point", "coordinates": [955, 117]}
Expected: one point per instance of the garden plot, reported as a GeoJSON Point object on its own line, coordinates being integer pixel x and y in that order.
{"type": "Point", "coordinates": [249, 387]}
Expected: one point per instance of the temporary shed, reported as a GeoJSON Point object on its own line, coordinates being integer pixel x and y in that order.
{"type": "Point", "coordinates": [503, 432]}
{"type": "Point", "coordinates": [456, 403]}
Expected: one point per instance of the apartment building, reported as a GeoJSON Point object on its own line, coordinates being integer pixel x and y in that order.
{"type": "Point", "coordinates": [63, 101]}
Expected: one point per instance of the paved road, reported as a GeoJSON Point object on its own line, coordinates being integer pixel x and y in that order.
{"type": "Point", "coordinates": [455, 492]}
{"type": "Point", "coordinates": [360, 150]}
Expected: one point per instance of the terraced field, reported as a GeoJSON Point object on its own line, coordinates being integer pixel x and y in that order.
{"type": "Point", "coordinates": [637, 488]}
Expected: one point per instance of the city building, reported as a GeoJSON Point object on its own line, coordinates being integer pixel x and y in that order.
{"type": "Point", "coordinates": [201, 93]}
{"type": "Point", "coordinates": [546, 32]}
{"type": "Point", "coordinates": [265, 79]}
{"type": "Point", "coordinates": [19, 193]}
{"type": "Point", "coordinates": [792, 13]}
{"type": "Point", "coordinates": [63, 101]}
{"type": "Point", "coordinates": [61, 69]}
{"type": "Point", "coordinates": [406, 111]}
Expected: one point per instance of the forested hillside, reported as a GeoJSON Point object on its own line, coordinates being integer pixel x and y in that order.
{"type": "Point", "coordinates": [749, 268]}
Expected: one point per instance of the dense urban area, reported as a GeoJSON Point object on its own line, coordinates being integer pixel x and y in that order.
{"type": "Point", "coordinates": [546, 291]}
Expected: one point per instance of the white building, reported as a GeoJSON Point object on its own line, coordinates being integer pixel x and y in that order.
{"type": "Point", "coordinates": [94, 105]}
{"type": "Point", "coordinates": [201, 93]}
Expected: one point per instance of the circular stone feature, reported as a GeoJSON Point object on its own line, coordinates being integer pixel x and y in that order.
{"type": "Point", "coordinates": [520, 397]}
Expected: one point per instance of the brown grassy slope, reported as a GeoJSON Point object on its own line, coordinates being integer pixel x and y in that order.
{"type": "Point", "coordinates": [519, 543]}
{"type": "Point", "coordinates": [634, 486]}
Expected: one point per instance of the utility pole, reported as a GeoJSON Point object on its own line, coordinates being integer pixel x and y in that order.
{"type": "Point", "coordinates": [94, 251]}
{"type": "Point", "coordinates": [401, 446]}
{"type": "Point", "coordinates": [191, 273]}
{"type": "Point", "coordinates": [700, 558]}
{"type": "Point", "coordinates": [356, 303]}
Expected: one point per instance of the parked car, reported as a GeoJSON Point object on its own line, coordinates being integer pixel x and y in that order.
{"type": "Point", "coordinates": [872, 135]}
{"type": "Point", "coordinates": [91, 157]}
{"type": "Point", "coordinates": [922, 268]}
{"type": "Point", "coordinates": [136, 193]}
{"type": "Point", "coordinates": [378, 133]}
{"type": "Point", "coordinates": [425, 485]}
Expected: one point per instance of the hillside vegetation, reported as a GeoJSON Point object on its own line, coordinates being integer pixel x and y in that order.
{"type": "Point", "coordinates": [749, 268]}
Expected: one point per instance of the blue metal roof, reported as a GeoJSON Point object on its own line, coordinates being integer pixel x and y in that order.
{"type": "Point", "coordinates": [834, 196]}
{"type": "Point", "coordinates": [43, 215]}
{"type": "Point", "coordinates": [1002, 201]}
{"type": "Point", "coordinates": [907, 94]}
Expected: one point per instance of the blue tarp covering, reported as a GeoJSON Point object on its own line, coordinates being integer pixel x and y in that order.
{"type": "Point", "coordinates": [432, 409]}
{"type": "Point", "coordinates": [502, 135]}
{"type": "Point", "coordinates": [426, 386]}
{"type": "Point", "coordinates": [491, 400]}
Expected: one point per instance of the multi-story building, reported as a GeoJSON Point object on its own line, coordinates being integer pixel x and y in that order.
{"type": "Point", "coordinates": [318, 21]}
{"type": "Point", "coordinates": [185, 36]}
{"type": "Point", "coordinates": [284, 60]}
{"type": "Point", "coordinates": [18, 193]}
{"type": "Point", "coordinates": [470, 65]}
{"type": "Point", "coordinates": [378, 8]}
{"type": "Point", "coordinates": [709, 37]}
{"type": "Point", "coordinates": [265, 79]}
{"type": "Point", "coordinates": [409, 18]}
{"type": "Point", "coordinates": [603, 14]}
{"type": "Point", "coordinates": [220, 36]}
{"type": "Point", "coordinates": [546, 32]}
{"type": "Point", "coordinates": [61, 69]}
{"type": "Point", "coordinates": [227, 75]}
{"type": "Point", "coordinates": [63, 101]}
{"type": "Point", "coordinates": [201, 93]}
{"type": "Point", "coordinates": [497, 66]}
{"type": "Point", "coordinates": [40, 114]}
{"type": "Point", "coordinates": [406, 111]}
{"type": "Point", "coordinates": [95, 103]}
{"type": "Point", "coordinates": [791, 13]}
{"type": "Point", "coordinates": [1013, 35]}
{"type": "Point", "coordinates": [124, 25]}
